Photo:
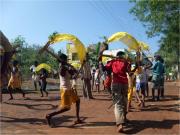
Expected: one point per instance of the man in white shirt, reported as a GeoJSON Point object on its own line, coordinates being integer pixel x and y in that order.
{"type": "Point", "coordinates": [35, 76]}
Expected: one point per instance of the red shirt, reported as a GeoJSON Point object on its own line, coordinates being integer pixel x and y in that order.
{"type": "Point", "coordinates": [107, 82]}
{"type": "Point", "coordinates": [119, 67]}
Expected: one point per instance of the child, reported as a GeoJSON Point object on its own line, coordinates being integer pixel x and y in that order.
{"type": "Point", "coordinates": [15, 80]}
{"type": "Point", "coordinates": [43, 77]}
{"type": "Point", "coordinates": [68, 96]}
{"type": "Point", "coordinates": [141, 85]}
{"type": "Point", "coordinates": [97, 79]}
{"type": "Point", "coordinates": [131, 88]}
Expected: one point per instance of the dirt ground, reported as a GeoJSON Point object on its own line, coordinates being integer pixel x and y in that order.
{"type": "Point", "coordinates": [27, 116]}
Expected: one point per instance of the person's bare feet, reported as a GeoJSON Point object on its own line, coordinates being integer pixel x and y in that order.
{"type": "Point", "coordinates": [78, 121]}
{"type": "Point", "coordinates": [48, 120]}
{"type": "Point", "coordinates": [11, 98]}
{"type": "Point", "coordinates": [142, 105]}
{"type": "Point", "coordinates": [120, 128]}
{"type": "Point", "coordinates": [139, 104]}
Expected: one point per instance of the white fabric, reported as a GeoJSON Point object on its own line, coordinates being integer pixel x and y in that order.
{"type": "Point", "coordinates": [33, 68]}
{"type": "Point", "coordinates": [142, 77]}
{"type": "Point", "coordinates": [35, 77]}
{"type": "Point", "coordinates": [65, 83]}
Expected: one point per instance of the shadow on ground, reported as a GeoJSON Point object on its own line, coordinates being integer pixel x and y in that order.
{"type": "Point", "coordinates": [36, 106]}
{"type": "Point", "coordinates": [136, 126]}
{"type": "Point", "coordinates": [23, 120]}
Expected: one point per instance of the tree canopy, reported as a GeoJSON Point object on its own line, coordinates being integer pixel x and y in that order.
{"type": "Point", "coordinates": [29, 53]}
{"type": "Point", "coordinates": [161, 18]}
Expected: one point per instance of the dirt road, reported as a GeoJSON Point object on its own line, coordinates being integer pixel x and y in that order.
{"type": "Point", "coordinates": [27, 116]}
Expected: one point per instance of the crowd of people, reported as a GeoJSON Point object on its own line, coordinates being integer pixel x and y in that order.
{"type": "Point", "coordinates": [119, 78]}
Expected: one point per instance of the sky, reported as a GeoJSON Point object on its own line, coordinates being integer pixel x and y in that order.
{"type": "Point", "coordinates": [35, 20]}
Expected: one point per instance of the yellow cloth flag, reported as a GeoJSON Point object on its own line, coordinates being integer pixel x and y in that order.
{"type": "Point", "coordinates": [143, 46]}
{"type": "Point", "coordinates": [126, 38]}
{"type": "Point", "coordinates": [43, 65]}
{"type": "Point", "coordinates": [77, 43]}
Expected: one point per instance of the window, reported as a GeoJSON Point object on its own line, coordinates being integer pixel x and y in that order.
{"type": "Point", "coordinates": [74, 56]}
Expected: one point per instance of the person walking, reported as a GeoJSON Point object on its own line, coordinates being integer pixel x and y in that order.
{"type": "Point", "coordinates": [86, 77]}
{"type": "Point", "coordinates": [15, 80]}
{"type": "Point", "coordinates": [158, 72]}
{"type": "Point", "coordinates": [43, 77]}
{"type": "Point", "coordinates": [35, 76]}
{"type": "Point", "coordinates": [119, 67]}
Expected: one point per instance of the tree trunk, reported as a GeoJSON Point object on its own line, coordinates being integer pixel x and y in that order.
{"type": "Point", "coordinates": [5, 58]}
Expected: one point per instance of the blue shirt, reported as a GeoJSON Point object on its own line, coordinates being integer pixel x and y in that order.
{"type": "Point", "coordinates": [158, 68]}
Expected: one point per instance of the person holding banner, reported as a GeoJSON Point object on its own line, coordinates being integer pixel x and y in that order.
{"type": "Point", "coordinates": [68, 95]}
{"type": "Point", "coordinates": [119, 67]}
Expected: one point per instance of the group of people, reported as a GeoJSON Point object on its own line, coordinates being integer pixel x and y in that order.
{"type": "Point", "coordinates": [16, 79]}
{"type": "Point", "coordinates": [120, 80]}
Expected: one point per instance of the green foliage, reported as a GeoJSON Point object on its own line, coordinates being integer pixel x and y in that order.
{"type": "Point", "coordinates": [28, 54]}
{"type": "Point", "coordinates": [161, 17]}
{"type": "Point", "coordinates": [51, 37]}
{"type": "Point", "coordinates": [93, 54]}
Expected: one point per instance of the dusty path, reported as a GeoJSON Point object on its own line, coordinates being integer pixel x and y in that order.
{"type": "Point", "coordinates": [21, 116]}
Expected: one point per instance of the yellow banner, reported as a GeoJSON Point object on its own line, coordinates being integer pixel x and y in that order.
{"type": "Point", "coordinates": [126, 38]}
{"type": "Point", "coordinates": [144, 46]}
{"type": "Point", "coordinates": [77, 43]}
{"type": "Point", "coordinates": [43, 65]}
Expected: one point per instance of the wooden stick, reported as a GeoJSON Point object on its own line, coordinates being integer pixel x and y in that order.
{"type": "Point", "coordinates": [44, 48]}
{"type": "Point", "coordinates": [56, 56]}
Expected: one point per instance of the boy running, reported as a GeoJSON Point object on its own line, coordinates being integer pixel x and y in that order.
{"type": "Point", "coordinates": [68, 96]}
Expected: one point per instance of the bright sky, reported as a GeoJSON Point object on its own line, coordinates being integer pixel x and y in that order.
{"type": "Point", "coordinates": [35, 20]}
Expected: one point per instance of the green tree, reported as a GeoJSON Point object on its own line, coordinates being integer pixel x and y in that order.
{"type": "Point", "coordinates": [29, 53]}
{"type": "Point", "coordinates": [93, 53]}
{"type": "Point", "coordinates": [161, 17]}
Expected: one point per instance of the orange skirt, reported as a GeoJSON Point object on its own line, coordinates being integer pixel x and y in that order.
{"type": "Point", "coordinates": [68, 97]}
{"type": "Point", "coordinates": [14, 82]}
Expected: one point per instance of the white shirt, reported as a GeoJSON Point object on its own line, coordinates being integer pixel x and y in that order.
{"type": "Point", "coordinates": [35, 77]}
{"type": "Point", "coordinates": [33, 68]}
{"type": "Point", "coordinates": [141, 77]}
{"type": "Point", "coordinates": [65, 83]}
